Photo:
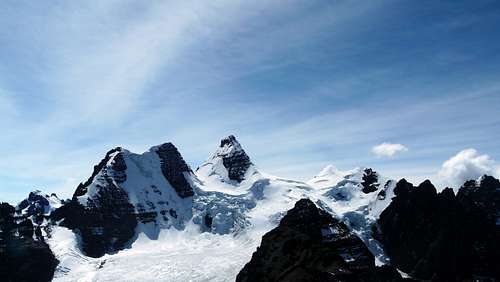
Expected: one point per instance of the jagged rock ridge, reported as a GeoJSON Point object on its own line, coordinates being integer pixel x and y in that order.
{"type": "Point", "coordinates": [310, 245]}
{"type": "Point", "coordinates": [441, 236]}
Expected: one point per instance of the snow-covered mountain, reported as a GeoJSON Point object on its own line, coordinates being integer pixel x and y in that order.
{"type": "Point", "coordinates": [230, 164]}
{"type": "Point", "coordinates": [133, 198]}
{"type": "Point", "coordinates": [151, 217]}
{"type": "Point", "coordinates": [128, 194]}
{"type": "Point", "coordinates": [158, 184]}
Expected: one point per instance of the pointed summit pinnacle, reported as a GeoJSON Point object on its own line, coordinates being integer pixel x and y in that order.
{"type": "Point", "coordinates": [234, 158]}
{"type": "Point", "coordinates": [229, 162]}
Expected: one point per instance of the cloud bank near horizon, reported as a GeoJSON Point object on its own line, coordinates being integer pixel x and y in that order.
{"type": "Point", "coordinates": [466, 165]}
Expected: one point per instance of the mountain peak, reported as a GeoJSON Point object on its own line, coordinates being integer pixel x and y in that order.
{"type": "Point", "coordinates": [229, 146]}
{"type": "Point", "coordinates": [330, 170]}
{"type": "Point", "coordinates": [229, 140]}
{"type": "Point", "coordinates": [328, 177]}
{"type": "Point", "coordinates": [230, 163]}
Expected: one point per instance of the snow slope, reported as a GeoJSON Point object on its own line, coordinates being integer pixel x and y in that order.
{"type": "Point", "coordinates": [348, 201]}
{"type": "Point", "coordinates": [328, 177]}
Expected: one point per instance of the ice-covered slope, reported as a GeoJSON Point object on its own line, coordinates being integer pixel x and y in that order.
{"type": "Point", "coordinates": [328, 177]}
{"type": "Point", "coordinates": [357, 200]}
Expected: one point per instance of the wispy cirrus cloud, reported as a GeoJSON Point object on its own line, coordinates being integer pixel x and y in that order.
{"type": "Point", "coordinates": [302, 85]}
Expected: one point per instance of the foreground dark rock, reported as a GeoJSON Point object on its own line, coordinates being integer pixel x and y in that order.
{"type": "Point", "coordinates": [310, 245]}
{"type": "Point", "coordinates": [22, 258]}
{"type": "Point", "coordinates": [441, 236]}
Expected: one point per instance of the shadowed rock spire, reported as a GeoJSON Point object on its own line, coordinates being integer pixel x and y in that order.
{"type": "Point", "coordinates": [441, 236]}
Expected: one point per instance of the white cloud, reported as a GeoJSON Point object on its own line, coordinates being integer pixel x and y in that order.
{"type": "Point", "coordinates": [388, 149]}
{"type": "Point", "coordinates": [466, 165]}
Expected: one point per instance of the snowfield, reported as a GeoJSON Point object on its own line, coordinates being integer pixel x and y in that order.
{"type": "Point", "coordinates": [186, 255]}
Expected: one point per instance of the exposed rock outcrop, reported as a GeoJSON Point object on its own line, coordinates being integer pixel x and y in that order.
{"type": "Point", "coordinates": [441, 236]}
{"type": "Point", "coordinates": [370, 179]}
{"type": "Point", "coordinates": [173, 168]}
{"type": "Point", "coordinates": [310, 245]}
{"type": "Point", "coordinates": [22, 258]}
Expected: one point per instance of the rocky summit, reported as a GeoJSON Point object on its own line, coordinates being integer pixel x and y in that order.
{"type": "Point", "coordinates": [310, 245]}
{"type": "Point", "coordinates": [230, 163]}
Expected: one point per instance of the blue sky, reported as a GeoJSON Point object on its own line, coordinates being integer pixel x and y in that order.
{"type": "Point", "coordinates": [302, 84]}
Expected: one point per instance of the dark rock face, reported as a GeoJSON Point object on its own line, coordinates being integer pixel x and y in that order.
{"type": "Point", "coordinates": [370, 181]}
{"type": "Point", "coordinates": [236, 161]}
{"type": "Point", "coordinates": [310, 245]}
{"type": "Point", "coordinates": [107, 222]}
{"type": "Point", "coordinates": [21, 257]}
{"type": "Point", "coordinates": [441, 236]}
{"type": "Point", "coordinates": [105, 225]}
{"type": "Point", "coordinates": [173, 168]}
